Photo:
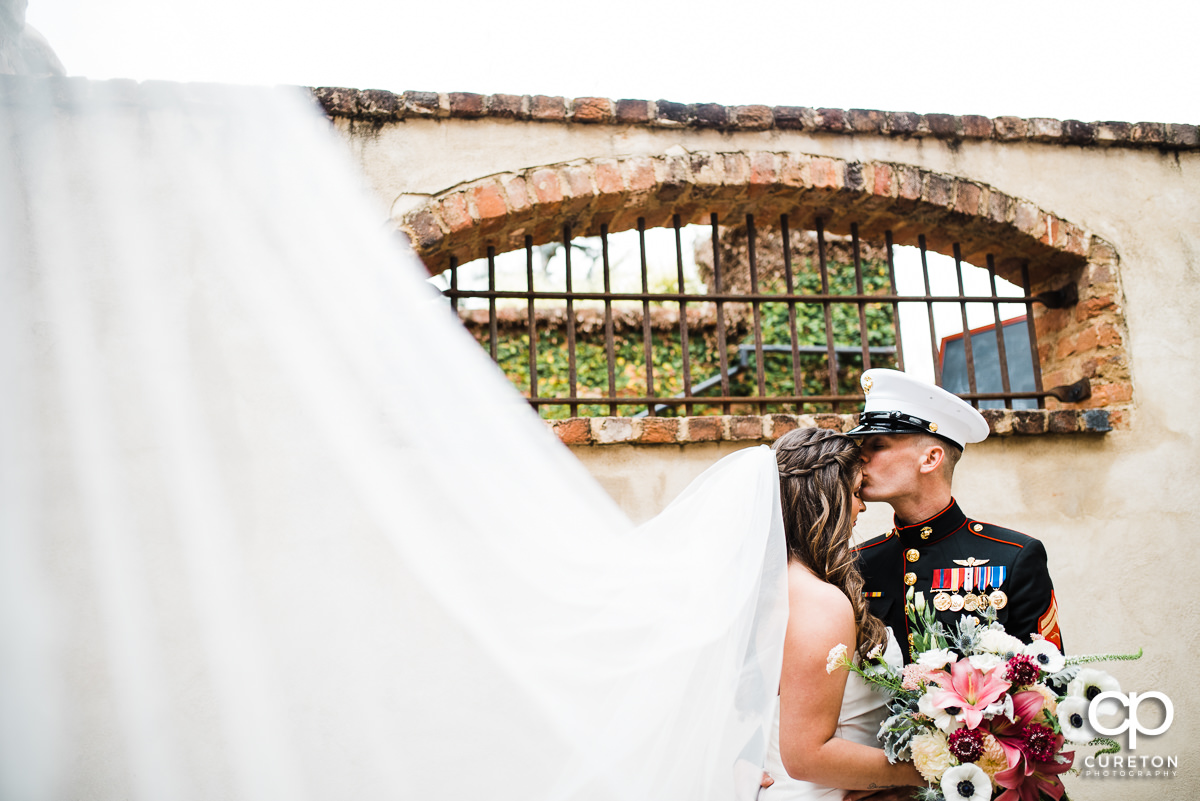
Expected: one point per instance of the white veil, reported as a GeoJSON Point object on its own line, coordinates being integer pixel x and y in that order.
{"type": "Point", "coordinates": [272, 526]}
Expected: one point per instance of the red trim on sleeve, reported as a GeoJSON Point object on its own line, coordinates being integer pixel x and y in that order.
{"type": "Point", "coordinates": [1048, 623]}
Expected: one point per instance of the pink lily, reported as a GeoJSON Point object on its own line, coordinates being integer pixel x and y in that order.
{"type": "Point", "coordinates": [1025, 779]}
{"type": "Point", "coordinates": [1030, 781]}
{"type": "Point", "coordinates": [1008, 733]}
{"type": "Point", "coordinates": [968, 689]}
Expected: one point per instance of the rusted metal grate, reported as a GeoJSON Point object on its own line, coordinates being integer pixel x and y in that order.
{"type": "Point", "coordinates": [819, 362]}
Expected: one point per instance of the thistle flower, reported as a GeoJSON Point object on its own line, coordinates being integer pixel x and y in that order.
{"type": "Point", "coordinates": [836, 658]}
{"type": "Point", "coordinates": [1045, 654]}
{"type": "Point", "coordinates": [966, 783]}
{"type": "Point", "coordinates": [931, 755]}
{"type": "Point", "coordinates": [1073, 719]}
{"type": "Point", "coordinates": [1022, 670]}
{"type": "Point", "coordinates": [966, 744]}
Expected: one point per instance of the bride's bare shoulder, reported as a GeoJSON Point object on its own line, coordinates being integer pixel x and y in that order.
{"type": "Point", "coordinates": [807, 593]}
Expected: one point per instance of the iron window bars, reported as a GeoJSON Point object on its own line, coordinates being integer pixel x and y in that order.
{"type": "Point", "coordinates": [693, 394]}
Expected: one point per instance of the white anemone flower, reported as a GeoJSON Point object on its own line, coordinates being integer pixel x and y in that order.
{"type": "Point", "coordinates": [1090, 683]}
{"type": "Point", "coordinates": [985, 662]}
{"type": "Point", "coordinates": [937, 658]}
{"type": "Point", "coordinates": [998, 641]}
{"type": "Point", "coordinates": [940, 717]}
{"type": "Point", "coordinates": [966, 782]}
{"type": "Point", "coordinates": [1073, 718]}
{"type": "Point", "coordinates": [1045, 655]}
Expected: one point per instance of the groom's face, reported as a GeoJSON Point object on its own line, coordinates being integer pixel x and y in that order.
{"type": "Point", "coordinates": [891, 466]}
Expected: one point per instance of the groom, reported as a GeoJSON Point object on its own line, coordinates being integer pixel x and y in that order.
{"type": "Point", "coordinates": [913, 434]}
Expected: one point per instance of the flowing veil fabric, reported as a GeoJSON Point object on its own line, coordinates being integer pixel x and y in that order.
{"type": "Point", "coordinates": [272, 525]}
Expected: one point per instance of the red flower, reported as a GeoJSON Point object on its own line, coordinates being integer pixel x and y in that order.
{"type": "Point", "coordinates": [1022, 670]}
{"type": "Point", "coordinates": [1028, 776]}
{"type": "Point", "coordinates": [1030, 781]}
{"type": "Point", "coordinates": [1041, 744]}
{"type": "Point", "coordinates": [966, 744]}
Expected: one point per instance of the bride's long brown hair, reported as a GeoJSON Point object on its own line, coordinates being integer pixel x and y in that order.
{"type": "Point", "coordinates": [817, 468]}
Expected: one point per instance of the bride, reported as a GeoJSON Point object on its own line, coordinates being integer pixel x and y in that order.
{"type": "Point", "coordinates": [826, 721]}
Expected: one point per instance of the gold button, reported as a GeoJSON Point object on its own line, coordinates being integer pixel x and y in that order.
{"type": "Point", "coordinates": [926, 533]}
{"type": "Point", "coordinates": [912, 554]}
{"type": "Point", "coordinates": [977, 527]}
{"type": "Point", "coordinates": [910, 638]}
{"type": "Point", "coordinates": [910, 579]}
{"type": "Point", "coordinates": [933, 427]}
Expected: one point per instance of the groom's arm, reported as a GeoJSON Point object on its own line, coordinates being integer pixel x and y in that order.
{"type": "Point", "coordinates": [1033, 608]}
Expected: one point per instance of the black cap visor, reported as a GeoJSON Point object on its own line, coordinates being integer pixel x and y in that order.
{"type": "Point", "coordinates": [894, 423]}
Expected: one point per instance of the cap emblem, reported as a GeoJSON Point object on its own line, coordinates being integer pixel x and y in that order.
{"type": "Point", "coordinates": [867, 383]}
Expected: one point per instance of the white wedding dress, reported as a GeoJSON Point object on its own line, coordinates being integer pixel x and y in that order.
{"type": "Point", "coordinates": [862, 711]}
{"type": "Point", "coordinates": [273, 526]}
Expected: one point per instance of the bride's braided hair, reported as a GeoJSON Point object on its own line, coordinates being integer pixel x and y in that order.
{"type": "Point", "coordinates": [817, 468]}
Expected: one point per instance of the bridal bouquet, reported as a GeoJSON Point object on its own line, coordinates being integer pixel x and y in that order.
{"type": "Point", "coordinates": [977, 712]}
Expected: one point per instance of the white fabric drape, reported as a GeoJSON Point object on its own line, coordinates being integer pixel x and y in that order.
{"type": "Point", "coordinates": [272, 526]}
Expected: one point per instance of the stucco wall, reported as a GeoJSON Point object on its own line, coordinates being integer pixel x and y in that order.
{"type": "Point", "coordinates": [1118, 512]}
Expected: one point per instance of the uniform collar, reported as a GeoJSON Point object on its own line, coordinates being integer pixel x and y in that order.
{"type": "Point", "coordinates": [938, 527]}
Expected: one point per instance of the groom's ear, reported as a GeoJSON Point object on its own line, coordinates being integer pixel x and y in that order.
{"type": "Point", "coordinates": [932, 457]}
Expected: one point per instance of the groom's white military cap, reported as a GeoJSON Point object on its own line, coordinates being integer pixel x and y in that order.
{"type": "Point", "coordinates": [897, 403]}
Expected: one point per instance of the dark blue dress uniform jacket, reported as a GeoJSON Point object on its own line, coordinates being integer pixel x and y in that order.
{"type": "Point", "coordinates": [950, 540]}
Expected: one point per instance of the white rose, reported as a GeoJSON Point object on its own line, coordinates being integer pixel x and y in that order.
{"type": "Point", "coordinates": [937, 659]}
{"type": "Point", "coordinates": [985, 662]}
{"type": "Point", "coordinates": [998, 641]}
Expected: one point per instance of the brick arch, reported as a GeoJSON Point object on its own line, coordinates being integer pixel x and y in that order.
{"type": "Point", "coordinates": [1086, 340]}
{"type": "Point", "coordinates": [500, 210]}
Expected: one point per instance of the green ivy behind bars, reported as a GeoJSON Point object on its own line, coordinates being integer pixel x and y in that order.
{"type": "Point", "coordinates": [667, 353]}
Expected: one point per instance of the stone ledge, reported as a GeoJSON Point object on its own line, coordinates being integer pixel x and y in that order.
{"type": "Point", "coordinates": [377, 106]}
{"type": "Point", "coordinates": [770, 427]}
